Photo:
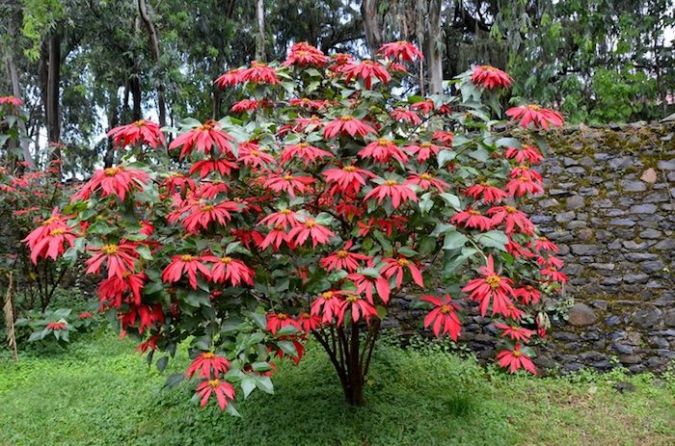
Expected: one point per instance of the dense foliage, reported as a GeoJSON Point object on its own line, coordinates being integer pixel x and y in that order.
{"type": "Point", "coordinates": [76, 62]}
{"type": "Point", "coordinates": [306, 211]}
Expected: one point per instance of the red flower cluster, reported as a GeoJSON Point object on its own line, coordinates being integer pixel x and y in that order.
{"type": "Point", "coordinates": [306, 216]}
{"type": "Point", "coordinates": [49, 240]}
{"type": "Point", "coordinates": [538, 117]}
{"type": "Point", "coordinates": [138, 133]}
{"type": "Point", "coordinates": [490, 78]}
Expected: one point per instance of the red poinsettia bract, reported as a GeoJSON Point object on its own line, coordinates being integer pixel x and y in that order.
{"type": "Point", "coordinates": [538, 117]}
{"type": "Point", "coordinates": [490, 78]}
{"type": "Point", "coordinates": [491, 287]}
{"type": "Point", "coordinates": [347, 125]}
{"type": "Point", "coordinates": [139, 132]}
{"type": "Point", "coordinates": [402, 50]}
{"type": "Point", "coordinates": [443, 318]}
{"type": "Point", "coordinates": [204, 138]}
{"type": "Point", "coordinates": [515, 360]}
{"type": "Point", "coordinates": [118, 181]}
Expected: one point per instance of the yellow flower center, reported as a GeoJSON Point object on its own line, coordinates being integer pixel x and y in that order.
{"type": "Point", "coordinates": [111, 171]}
{"type": "Point", "coordinates": [285, 211]}
{"type": "Point", "coordinates": [208, 125]}
{"type": "Point", "coordinates": [139, 123]}
{"type": "Point", "coordinates": [288, 177]}
{"type": "Point", "coordinates": [510, 209]}
{"type": "Point", "coordinates": [390, 183]}
{"type": "Point", "coordinates": [56, 232]}
{"type": "Point", "coordinates": [346, 117]}
{"type": "Point", "coordinates": [255, 153]}
{"type": "Point", "coordinates": [517, 353]}
{"type": "Point", "coordinates": [50, 220]}
{"type": "Point", "coordinates": [282, 316]}
{"type": "Point", "coordinates": [384, 142]}
{"type": "Point", "coordinates": [226, 260]}
{"type": "Point", "coordinates": [445, 309]}
{"type": "Point", "coordinates": [207, 208]}
{"type": "Point", "coordinates": [186, 258]}
{"type": "Point", "coordinates": [426, 176]}
{"type": "Point", "coordinates": [493, 280]}
{"type": "Point", "coordinates": [109, 249]}
{"type": "Point", "coordinates": [352, 298]}
{"type": "Point", "coordinates": [474, 212]}
{"type": "Point", "coordinates": [208, 355]}
{"type": "Point", "coordinates": [342, 254]}
{"type": "Point", "coordinates": [310, 223]}
{"type": "Point", "coordinates": [534, 107]}
{"type": "Point", "coordinates": [426, 145]}
{"type": "Point", "coordinates": [214, 383]}
{"type": "Point", "coordinates": [403, 262]}
{"type": "Point", "coordinates": [327, 295]}
{"type": "Point", "coordinates": [349, 169]}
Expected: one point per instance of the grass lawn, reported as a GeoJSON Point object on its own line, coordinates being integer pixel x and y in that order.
{"type": "Point", "coordinates": [100, 392]}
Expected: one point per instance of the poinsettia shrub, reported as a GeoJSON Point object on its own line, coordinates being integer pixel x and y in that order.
{"type": "Point", "coordinates": [27, 197]}
{"type": "Point", "coordinates": [303, 214]}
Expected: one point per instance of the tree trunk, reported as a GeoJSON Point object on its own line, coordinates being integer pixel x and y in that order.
{"type": "Point", "coordinates": [113, 121]}
{"type": "Point", "coordinates": [53, 83]}
{"type": "Point", "coordinates": [371, 25]}
{"type": "Point", "coordinates": [434, 46]}
{"type": "Point", "coordinates": [350, 356]}
{"type": "Point", "coordinates": [154, 44]}
{"type": "Point", "coordinates": [260, 38]}
{"type": "Point", "coordinates": [16, 92]}
{"type": "Point", "coordinates": [135, 90]}
{"type": "Point", "coordinates": [354, 389]}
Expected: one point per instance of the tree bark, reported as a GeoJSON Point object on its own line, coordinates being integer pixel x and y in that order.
{"type": "Point", "coordinates": [16, 92]}
{"type": "Point", "coordinates": [350, 356]}
{"type": "Point", "coordinates": [260, 38]}
{"type": "Point", "coordinates": [371, 25]}
{"type": "Point", "coordinates": [113, 121]}
{"type": "Point", "coordinates": [154, 44]}
{"type": "Point", "coordinates": [135, 90]}
{"type": "Point", "coordinates": [53, 84]}
{"type": "Point", "coordinates": [434, 46]}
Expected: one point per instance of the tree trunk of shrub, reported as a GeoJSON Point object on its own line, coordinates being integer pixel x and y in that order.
{"type": "Point", "coordinates": [350, 355]}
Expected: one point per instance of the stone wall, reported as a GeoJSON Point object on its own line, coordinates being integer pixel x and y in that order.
{"type": "Point", "coordinates": [609, 206]}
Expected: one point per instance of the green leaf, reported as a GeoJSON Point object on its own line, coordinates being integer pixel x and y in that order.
{"type": "Point", "coordinates": [174, 379]}
{"type": "Point", "coordinates": [288, 347]}
{"type": "Point", "coordinates": [261, 366]}
{"type": "Point", "coordinates": [259, 319]}
{"type": "Point", "coordinates": [232, 410]}
{"type": "Point", "coordinates": [144, 252]}
{"type": "Point", "coordinates": [442, 228]}
{"type": "Point", "coordinates": [264, 383]}
{"type": "Point", "coordinates": [480, 154]}
{"type": "Point", "coordinates": [37, 336]}
{"type": "Point", "coordinates": [406, 251]}
{"type": "Point", "coordinates": [444, 156]}
{"type": "Point", "coordinates": [493, 239]}
{"type": "Point", "coordinates": [452, 200]}
{"type": "Point", "coordinates": [508, 142]}
{"type": "Point", "coordinates": [454, 240]}
{"type": "Point", "coordinates": [453, 265]}
{"type": "Point", "coordinates": [426, 203]}
{"type": "Point", "coordinates": [427, 245]}
{"type": "Point", "coordinates": [248, 385]}
{"type": "Point", "coordinates": [162, 363]}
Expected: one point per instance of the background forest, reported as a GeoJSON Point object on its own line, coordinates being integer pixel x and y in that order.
{"type": "Point", "coordinates": [84, 66]}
